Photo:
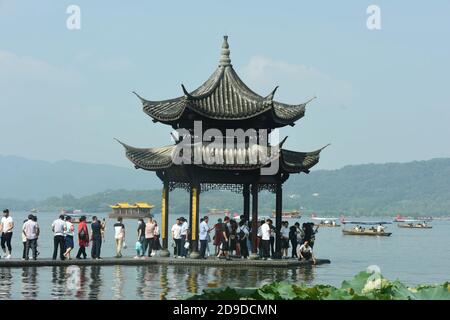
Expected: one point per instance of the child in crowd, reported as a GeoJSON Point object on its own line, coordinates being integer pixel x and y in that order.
{"type": "Point", "coordinates": [139, 250]}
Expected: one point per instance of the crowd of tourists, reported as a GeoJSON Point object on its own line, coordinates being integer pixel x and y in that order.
{"type": "Point", "coordinates": [65, 232]}
{"type": "Point", "coordinates": [230, 238]}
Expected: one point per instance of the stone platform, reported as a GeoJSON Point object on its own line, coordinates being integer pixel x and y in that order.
{"type": "Point", "coordinates": [213, 262]}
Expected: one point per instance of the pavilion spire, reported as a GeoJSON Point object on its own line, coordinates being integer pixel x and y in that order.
{"type": "Point", "coordinates": [225, 53]}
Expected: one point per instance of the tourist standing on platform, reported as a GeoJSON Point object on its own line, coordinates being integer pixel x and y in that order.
{"type": "Point", "coordinates": [272, 239]}
{"type": "Point", "coordinates": [156, 243]}
{"type": "Point", "coordinates": [259, 238]}
{"type": "Point", "coordinates": [58, 237]}
{"type": "Point", "coordinates": [249, 238]}
{"type": "Point", "coordinates": [293, 239]}
{"type": "Point", "coordinates": [233, 237]}
{"type": "Point", "coordinates": [141, 235]}
{"type": "Point", "coordinates": [83, 238]}
{"type": "Point", "coordinates": [7, 226]}
{"type": "Point", "coordinates": [96, 238]}
{"type": "Point", "coordinates": [139, 250]}
{"type": "Point", "coordinates": [203, 236]}
{"type": "Point", "coordinates": [309, 233]}
{"type": "Point", "coordinates": [266, 232]}
{"type": "Point", "coordinates": [38, 233]}
{"type": "Point", "coordinates": [69, 231]}
{"type": "Point", "coordinates": [184, 232]}
{"type": "Point", "coordinates": [224, 246]}
{"type": "Point", "coordinates": [217, 236]}
{"type": "Point", "coordinates": [243, 233]}
{"type": "Point", "coordinates": [300, 237]}
{"type": "Point", "coordinates": [119, 236]}
{"type": "Point", "coordinates": [284, 239]}
{"type": "Point", "coordinates": [208, 239]}
{"type": "Point", "coordinates": [176, 237]}
{"type": "Point", "coordinates": [31, 231]}
{"type": "Point", "coordinates": [103, 230]}
{"type": "Point", "coordinates": [24, 242]}
{"type": "Point", "coordinates": [149, 236]}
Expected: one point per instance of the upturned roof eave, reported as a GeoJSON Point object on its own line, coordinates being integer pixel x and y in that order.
{"type": "Point", "coordinates": [161, 158]}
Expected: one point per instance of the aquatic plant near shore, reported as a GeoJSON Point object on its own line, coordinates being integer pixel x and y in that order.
{"type": "Point", "coordinates": [363, 286]}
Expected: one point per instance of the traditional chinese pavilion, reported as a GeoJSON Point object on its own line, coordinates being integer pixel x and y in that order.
{"type": "Point", "coordinates": [223, 102]}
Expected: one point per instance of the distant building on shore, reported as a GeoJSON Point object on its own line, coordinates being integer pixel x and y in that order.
{"type": "Point", "coordinates": [131, 211]}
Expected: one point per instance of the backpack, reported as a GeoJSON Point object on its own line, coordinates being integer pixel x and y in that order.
{"type": "Point", "coordinates": [82, 235]}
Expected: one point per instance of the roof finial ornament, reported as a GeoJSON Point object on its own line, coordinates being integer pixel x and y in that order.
{"type": "Point", "coordinates": [225, 53]}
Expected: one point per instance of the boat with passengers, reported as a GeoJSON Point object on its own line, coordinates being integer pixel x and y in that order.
{"type": "Point", "coordinates": [377, 228]}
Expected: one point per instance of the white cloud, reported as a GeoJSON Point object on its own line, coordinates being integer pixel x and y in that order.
{"type": "Point", "coordinates": [30, 70]}
{"type": "Point", "coordinates": [296, 81]}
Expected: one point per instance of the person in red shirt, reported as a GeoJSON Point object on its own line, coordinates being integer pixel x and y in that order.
{"type": "Point", "coordinates": [217, 236]}
{"type": "Point", "coordinates": [83, 238]}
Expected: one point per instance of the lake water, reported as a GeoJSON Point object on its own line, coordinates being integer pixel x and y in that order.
{"type": "Point", "coordinates": [412, 255]}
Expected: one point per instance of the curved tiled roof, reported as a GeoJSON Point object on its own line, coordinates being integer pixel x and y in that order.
{"type": "Point", "coordinates": [224, 96]}
{"type": "Point", "coordinates": [255, 157]}
{"type": "Point", "coordinates": [294, 162]}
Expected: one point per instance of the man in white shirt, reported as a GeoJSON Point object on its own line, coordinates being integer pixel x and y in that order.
{"type": "Point", "coordinates": [30, 230]}
{"type": "Point", "coordinates": [203, 236]}
{"type": "Point", "coordinates": [7, 226]}
{"type": "Point", "coordinates": [176, 237]}
{"type": "Point", "coordinates": [380, 229]}
{"type": "Point", "coordinates": [184, 236]}
{"type": "Point", "coordinates": [266, 231]}
{"type": "Point", "coordinates": [58, 237]}
{"type": "Point", "coordinates": [305, 252]}
{"type": "Point", "coordinates": [119, 236]}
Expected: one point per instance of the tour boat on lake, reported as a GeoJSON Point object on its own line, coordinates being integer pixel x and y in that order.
{"type": "Point", "coordinates": [360, 231]}
{"type": "Point", "coordinates": [288, 214]}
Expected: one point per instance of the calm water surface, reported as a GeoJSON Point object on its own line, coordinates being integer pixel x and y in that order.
{"type": "Point", "coordinates": [412, 255]}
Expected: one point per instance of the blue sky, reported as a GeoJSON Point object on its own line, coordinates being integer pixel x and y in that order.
{"type": "Point", "coordinates": [383, 95]}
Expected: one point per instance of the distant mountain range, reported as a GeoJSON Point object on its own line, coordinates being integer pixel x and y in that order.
{"type": "Point", "coordinates": [416, 188]}
{"type": "Point", "coordinates": [413, 188]}
{"type": "Point", "coordinates": [22, 178]}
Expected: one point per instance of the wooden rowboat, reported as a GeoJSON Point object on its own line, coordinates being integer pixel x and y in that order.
{"type": "Point", "coordinates": [413, 227]}
{"type": "Point", "coordinates": [366, 233]}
